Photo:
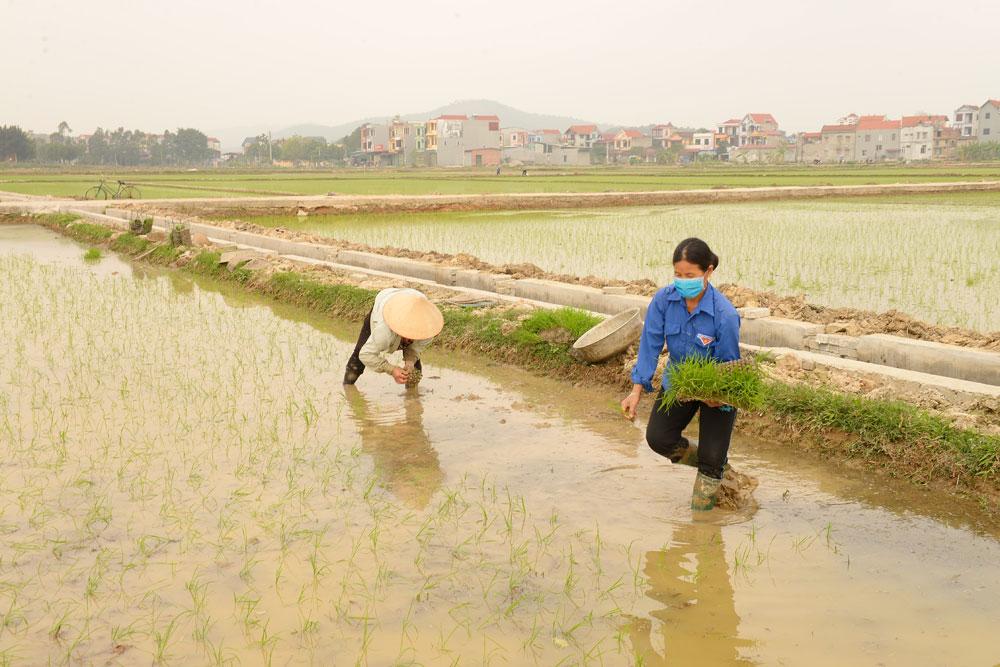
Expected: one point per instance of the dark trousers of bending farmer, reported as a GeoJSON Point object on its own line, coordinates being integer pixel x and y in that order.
{"type": "Point", "coordinates": [401, 319]}
{"type": "Point", "coordinates": [691, 318]}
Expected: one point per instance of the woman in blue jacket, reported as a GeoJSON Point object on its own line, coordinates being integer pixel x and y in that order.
{"type": "Point", "coordinates": [692, 318]}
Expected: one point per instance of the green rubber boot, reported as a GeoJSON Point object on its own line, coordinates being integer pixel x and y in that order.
{"type": "Point", "coordinates": [704, 493]}
{"type": "Point", "coordinates": [689, 457]}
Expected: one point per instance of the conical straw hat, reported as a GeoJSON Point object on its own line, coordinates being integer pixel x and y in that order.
{"type": "Point", "coordinates": [412, 316]}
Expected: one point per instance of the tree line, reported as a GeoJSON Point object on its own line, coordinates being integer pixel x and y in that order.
{"type": "Point", "coordinates": [185, 146]}
{"type": "Point", "coordinates": [120, 147]}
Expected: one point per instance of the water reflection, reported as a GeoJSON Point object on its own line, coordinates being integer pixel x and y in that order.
{"type": "Point", "coordinates": [405, 461]}
{"type": "Point", "coordinates": [698, 620]}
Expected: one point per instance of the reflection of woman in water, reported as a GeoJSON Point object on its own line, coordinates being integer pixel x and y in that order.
{"type": "Point", "coordinates": [405, 462]}
{"type": "Point", "coordinates": [698, 619]}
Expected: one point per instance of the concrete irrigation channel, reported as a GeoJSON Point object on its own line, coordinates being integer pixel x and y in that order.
{"type": "Point", "coordinates": [199, 484]}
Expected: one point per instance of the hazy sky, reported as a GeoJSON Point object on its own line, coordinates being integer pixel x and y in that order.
{"type": "Point", "coordinates": [227, 63]}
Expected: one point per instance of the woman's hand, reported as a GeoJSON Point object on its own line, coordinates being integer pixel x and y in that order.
{"type": "Point", "coordinates": [713, 404]}
{"type": "Point", "coordinates": [631, 402]}
{"type": "Point", "coordinates": [400, 375]}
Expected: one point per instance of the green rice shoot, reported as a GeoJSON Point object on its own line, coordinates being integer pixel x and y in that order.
{"type": "Point", "coordinates": [739, 384]}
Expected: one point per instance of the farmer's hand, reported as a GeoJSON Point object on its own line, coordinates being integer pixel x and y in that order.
{"type": "Point", "coordinates": [713, 404]}
{"type": "Point", "coordinates": [400, 375]}
{"type": "Point", "coordinates": [630, 403]}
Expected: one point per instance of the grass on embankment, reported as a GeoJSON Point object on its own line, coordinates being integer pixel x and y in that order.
{"type": "Point", "coordinates": [917, 443]}
{"type": "Point", "coordinates": [907, 440]}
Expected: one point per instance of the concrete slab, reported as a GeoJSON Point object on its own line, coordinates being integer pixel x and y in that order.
{"type": "Point", "coordinates": [753, 313]}
{"type": "Point", "coordinates": [400, 265]}
{"type": "Point", "coordinates": [579, 296]}
{"type": "Point", "coordinates": [915, 380]}
{"type": "Point", "coordinates": [778, 332]}
{"type": "Point", "coordinates": [838, 345]}
{"type": "Point", "coordinates": [927, 357]}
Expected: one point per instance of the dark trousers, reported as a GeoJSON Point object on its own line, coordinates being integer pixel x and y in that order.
{"type": "Point", "coordinates": [354, 363]}
{"type": "Point", "coordinates": [663, 433]}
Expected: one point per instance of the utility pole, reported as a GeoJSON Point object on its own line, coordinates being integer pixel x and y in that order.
{"type": "Point", "coordinates": [270, 154]}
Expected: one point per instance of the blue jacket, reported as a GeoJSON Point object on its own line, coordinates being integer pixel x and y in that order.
{"type": "Point", "coordinates": [712, 330]}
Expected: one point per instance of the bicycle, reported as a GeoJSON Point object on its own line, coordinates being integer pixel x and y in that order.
{"type": "Point", "coordinates": [104, 191]}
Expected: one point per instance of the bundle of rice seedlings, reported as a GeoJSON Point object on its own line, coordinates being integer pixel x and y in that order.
{"type": "Point", "coordinates": [414, 378]}
{"type": "Point", "coordinates": [736, 383]}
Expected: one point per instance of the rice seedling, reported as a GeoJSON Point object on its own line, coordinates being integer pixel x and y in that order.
{"type": "Point", "coordinates": [93, 255]}
{"type": "Point", "coordinates": [769, 246]}
{"type": "Point", "coordinates": [740, 384]}
{"type": "Point", "coordinates": [253, 500]}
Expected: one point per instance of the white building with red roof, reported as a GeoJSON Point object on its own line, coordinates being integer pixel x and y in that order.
{"type": "Point", "coordinates": [918, 134]}
{"type": "Point", "coordinates": [462, 141]}
{"type": "Point", "coordinates": [548, 137]}
{"type": "Point", "coordinates": [758, 129]}
{"type": "Point", "coordinates": [877, 139]}
{"type": "Point", "coordinates": [580, 136]}
{"type": "Point", "coordinates": [838, 142]}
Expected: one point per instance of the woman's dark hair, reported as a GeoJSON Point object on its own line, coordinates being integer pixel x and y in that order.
{"type": "Point", "coordinates": [697, 252]}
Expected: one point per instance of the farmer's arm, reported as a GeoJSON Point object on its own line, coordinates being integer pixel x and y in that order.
{"type": "Point", "coordinates": [651, 343]}
{"type": "Point", "coordinates": [375, 353]}
{"type": "Point", "coordinates": [411, 353]}
{"type": "Point", "coordinates": [727, 344]}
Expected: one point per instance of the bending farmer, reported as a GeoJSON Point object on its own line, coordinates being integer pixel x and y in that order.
{"type": "Point", "coordinates": [693, 318]}
{"type": "Point", "coordinates": [401, 319]}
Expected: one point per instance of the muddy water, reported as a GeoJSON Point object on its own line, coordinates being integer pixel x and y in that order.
{"type": "Point", "coordinates": [183, 478]}
{"type": "Point", "coordinates": [51, 248]}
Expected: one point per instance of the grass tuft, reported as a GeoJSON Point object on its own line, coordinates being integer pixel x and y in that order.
{"type": "Point", "coordinates": [88, 233]}
{"type": "Point", "coordinates": [92, 255]}
{"type": "Point", "coordinates": [130, 244]}
{"type": "Point", "coordinates": [882, 428]}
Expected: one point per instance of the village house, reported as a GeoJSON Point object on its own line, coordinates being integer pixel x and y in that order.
{"type": "Point", "coordinates": [547, 136]}
{"type": "Point", "coordinates": [876, 139]}
{"type": "Point", "coordinates": [702, 142]}
{"type": "Point", "coordinates": [989, 121]}
{"type": "Point", "coordinates": [374, 138]}
{"type": "Point", "coordinates": [946, 142]}
{"type": "Point", "coordinates": [967, 121]}
{"type": "Point", "coordinates": [728, 132]}
{"type": "Point", "coordinates": [665, 136]}
{"type": "Point", "coordinates": [461, 141]}
{"type": "Point", "coordinates": [513, 137]}
{"type": "Point", "coordinates": [758, 129]}
{"type": "Point", "coordinates": [837, 143]}
{"type": "Point", "coordinates": [537, 153]}
{"type": "Point", "coordinates": [626, 140]}
{"type": "Point", "coordinates": [917, 135]}
{"type": "Point", "coordinates": [581, 136]}
{"type": "Point", "coordinates": [809, 147]}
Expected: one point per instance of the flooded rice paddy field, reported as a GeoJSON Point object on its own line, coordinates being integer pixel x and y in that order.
{"type": "Point", "coordinates": [183, 479]}
{"type": "Point", "coordinates": [935, 259]}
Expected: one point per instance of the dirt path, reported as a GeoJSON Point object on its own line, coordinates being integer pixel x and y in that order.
{"type": "Point", "coordinates": [332, 203]}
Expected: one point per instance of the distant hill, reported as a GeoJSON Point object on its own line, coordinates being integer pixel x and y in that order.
{"type": "Point", "coordinates": [509, 117]}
